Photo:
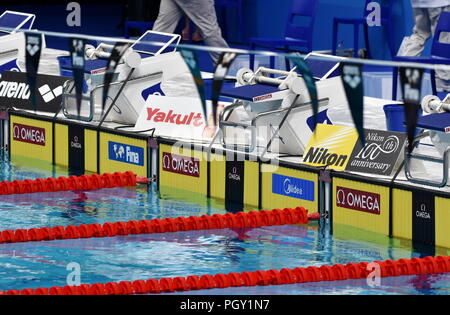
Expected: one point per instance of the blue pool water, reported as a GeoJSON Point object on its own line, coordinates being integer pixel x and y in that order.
{"type": "Point", "coordinates": [140, 257]}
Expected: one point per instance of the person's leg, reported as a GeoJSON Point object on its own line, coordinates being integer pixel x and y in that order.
{"type": "Point", "coordinates": [415, 44]}
{"type": "Point", "coordinates": [203, 14]}
{"type": "Point", "coordinates": [168, 17]}
{"type": "Point", "coordinates": [442, 77]}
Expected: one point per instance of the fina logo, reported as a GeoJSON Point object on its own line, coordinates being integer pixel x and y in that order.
{"type": "Point", "coordinates": [126, 153]}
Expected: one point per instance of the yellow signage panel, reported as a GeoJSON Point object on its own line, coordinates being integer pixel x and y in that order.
{"type": "Point", "coordinates": [183, 168]}
{"type": "Point", "coordinates": [122, 154]}
{"type": "Point", "coordinates": [31, 138]}
{"type": "Point", "coordinates": [289, 188]}
{"type": "Point", "coordinates": [331, 146]}
{"type": "Point", "coordinates": [361, 205]}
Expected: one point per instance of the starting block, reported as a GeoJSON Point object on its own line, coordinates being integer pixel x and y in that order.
{"type": "Point", "coordinates": [275, 113]}
{"type": "Point", "coordinates": [12, 41]}
{"type": "Point", "coordinates": [437, 126]}
{"type": "Point", "coordinates": [142, 71]}
{"type": "Point", "coordinates": [11, 22]}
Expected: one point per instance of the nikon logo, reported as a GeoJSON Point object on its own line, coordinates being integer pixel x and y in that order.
{"type": "Point", "coordinates": [14, 90]}
{"type": "Point", "coordinates": [323, 157]}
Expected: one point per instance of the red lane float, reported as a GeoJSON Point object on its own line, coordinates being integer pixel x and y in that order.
{"type": "Point", "coordinates": [85, 182]}
{"type": "Point", "coordinates": [217, 221]}
{"type": "Point", "coordinates": [389, 268]}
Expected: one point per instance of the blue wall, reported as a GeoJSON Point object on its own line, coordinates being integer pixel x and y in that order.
{"type": "Point", "coordinates": [95, 20]}
{"type": "Point", "coordinates": [267, 18]}
{"type": "Point", "coordinates": [263, 18]}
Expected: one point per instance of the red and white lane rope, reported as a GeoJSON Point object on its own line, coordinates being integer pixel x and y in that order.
{"type": "Point", "coordinates": [389, 268]}
{"type": "Point", "coordinates": [217, 221]}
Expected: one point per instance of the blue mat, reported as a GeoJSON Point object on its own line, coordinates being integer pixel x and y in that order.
{"type": "Point", "coordinates": [249, 92]}
{"type": "Point", "coordinates": [436, 122]}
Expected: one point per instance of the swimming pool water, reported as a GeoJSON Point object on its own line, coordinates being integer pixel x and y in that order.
{"type": "Point", "coordinates": [141, 257]}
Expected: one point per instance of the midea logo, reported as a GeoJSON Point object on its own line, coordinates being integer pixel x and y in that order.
{"type": "Point", "coordinates": [16, 90]}
{"type": "Point", "coordinates": [289, 188]}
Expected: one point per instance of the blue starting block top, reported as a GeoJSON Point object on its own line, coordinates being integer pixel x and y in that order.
{"type": "Point", "coordinates": [16, 21]}
{"type": "Point", "coordinates": [95, 65]}
{"type": "Point", "coordinates": [65, 64]}
{"type": "Point", "coordinates": [250, 93]}
{"type": "Point", "coordinates": [435, 122]}
{"type": "Point", "coordinates": [146, 50]}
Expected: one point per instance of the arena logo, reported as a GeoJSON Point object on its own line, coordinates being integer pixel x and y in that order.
{"type": "Point", "coordinates": [126, 153]}
{"type": "Point", "coordinates": [324, 157]}
{"type": "Point", "coordinates": [358, 200]}
{"type": "Point", "coordinates": [158, 116]}
{"type": "Point", "coordinates": [17, 90]}
{"type": "Point", "coordinates": [29, 134]}
{"type": "Point", "coordinates": [293, 187]}
{"type": "Point", "coordinates": [10, 89]}
{"type": "Point", "coordinates": [181, 165]}
{"type": "Point", "coordinates": [373, 17]}
{"type": "Point", "coordinates": [74, 17]}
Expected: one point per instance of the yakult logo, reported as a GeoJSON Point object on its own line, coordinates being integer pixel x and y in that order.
{"type": "Point", "coordinates": [158, 116]}
{"type": "Point", "coordinates": [29, 134]}
{"type": "Point", "coordinates": [181, 165]}
{"type": "Point", "coordinates": [358, 200]}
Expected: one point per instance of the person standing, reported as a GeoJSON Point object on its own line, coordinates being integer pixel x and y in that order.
{"type": "Point", "coordinates": [201, 12]}
{"type": "Point", "coordinates": [426, 16]}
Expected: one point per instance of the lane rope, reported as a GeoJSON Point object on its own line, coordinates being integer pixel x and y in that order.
{"type": "Point", "coordinates": [389, 268]}
{"type": "Point", "coordinates": [84, 182]}
{"type": "Point", "coordinates": [252, 219]}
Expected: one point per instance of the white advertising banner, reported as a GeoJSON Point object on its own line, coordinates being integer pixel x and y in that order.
{"type": "Point", "coordinates": [175, 117]}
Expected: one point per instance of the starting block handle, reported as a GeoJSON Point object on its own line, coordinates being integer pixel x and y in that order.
{"type": "Point", "coordinates": [273, 71]}
{"type": "Point", "coordinates": [422, 181]}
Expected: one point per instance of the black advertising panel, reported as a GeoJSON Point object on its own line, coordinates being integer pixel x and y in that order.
{"type": "Point", "coordinates": [423, 218]}
{"type": "Point", "coordinates": [76, 148]}
{"type": "Point", "coordinates": [380, 154]}
{"type": "Point", "coordinates": [234, 186]}
{"type": "Point", "coordinates": [15, 91]}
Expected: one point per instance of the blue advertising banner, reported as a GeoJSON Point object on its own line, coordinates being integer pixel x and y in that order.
{"type": "Point", "coordinates": [125, 153]}
{"type": "Point", "coordinates": [293, 187]}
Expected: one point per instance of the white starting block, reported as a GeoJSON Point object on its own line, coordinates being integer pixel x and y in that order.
{"type": "Point", "coordinates": [12, 41]}
{"type": "Point", "coordinates": [437, 125]}
{"type": "Point", "coordinates": [275, 113]}
{"type": "Point", "coordinates": [144, 70]}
